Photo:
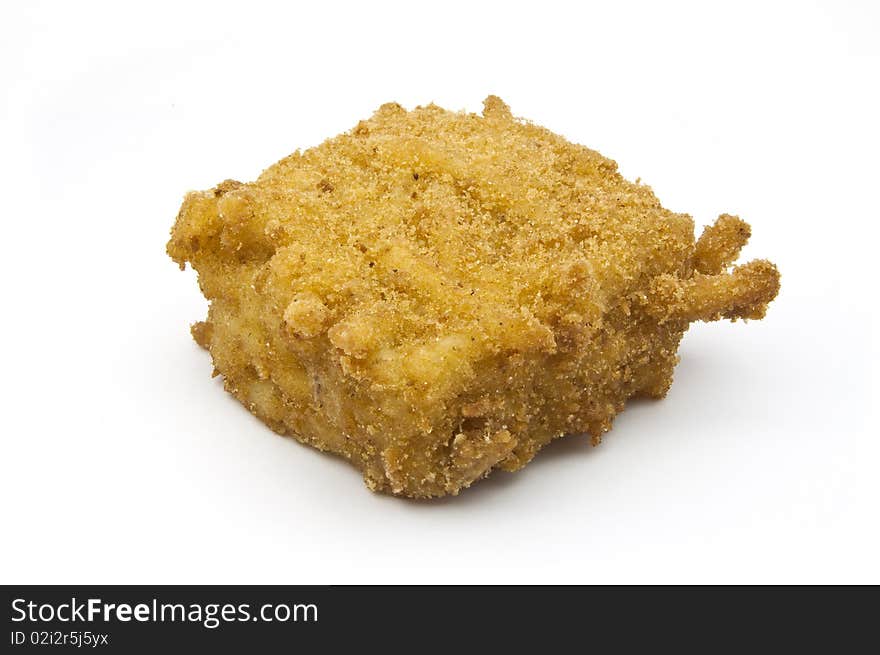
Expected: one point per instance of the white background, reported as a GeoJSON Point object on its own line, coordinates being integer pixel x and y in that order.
{"type": "Point", "coordinates": [123, 462]}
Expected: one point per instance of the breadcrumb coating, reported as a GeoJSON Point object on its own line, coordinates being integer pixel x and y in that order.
{"type": "Point", "coordinates": [434, 295]}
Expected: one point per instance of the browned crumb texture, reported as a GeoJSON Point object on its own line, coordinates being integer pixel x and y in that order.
{"type": "Point", "coordinates": [434, 295]}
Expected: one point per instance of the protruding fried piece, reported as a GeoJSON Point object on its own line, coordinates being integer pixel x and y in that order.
{"type": "Point", "coordinates": [745, 292]}
{"type": "Point", "coordinates": [720, 243]}
{"type": "Point", "coordinates": [435, 295]}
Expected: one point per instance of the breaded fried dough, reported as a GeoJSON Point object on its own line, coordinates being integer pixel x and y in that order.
{"type": "Point", "coordinates": [434, 295]}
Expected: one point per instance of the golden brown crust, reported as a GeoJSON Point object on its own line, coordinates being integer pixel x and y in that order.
{"type": "Point", "coordinates": [434, 295]}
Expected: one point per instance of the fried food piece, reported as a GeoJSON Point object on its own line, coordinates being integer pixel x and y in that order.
{"type": "Point", "coordinates": [435, 295]}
